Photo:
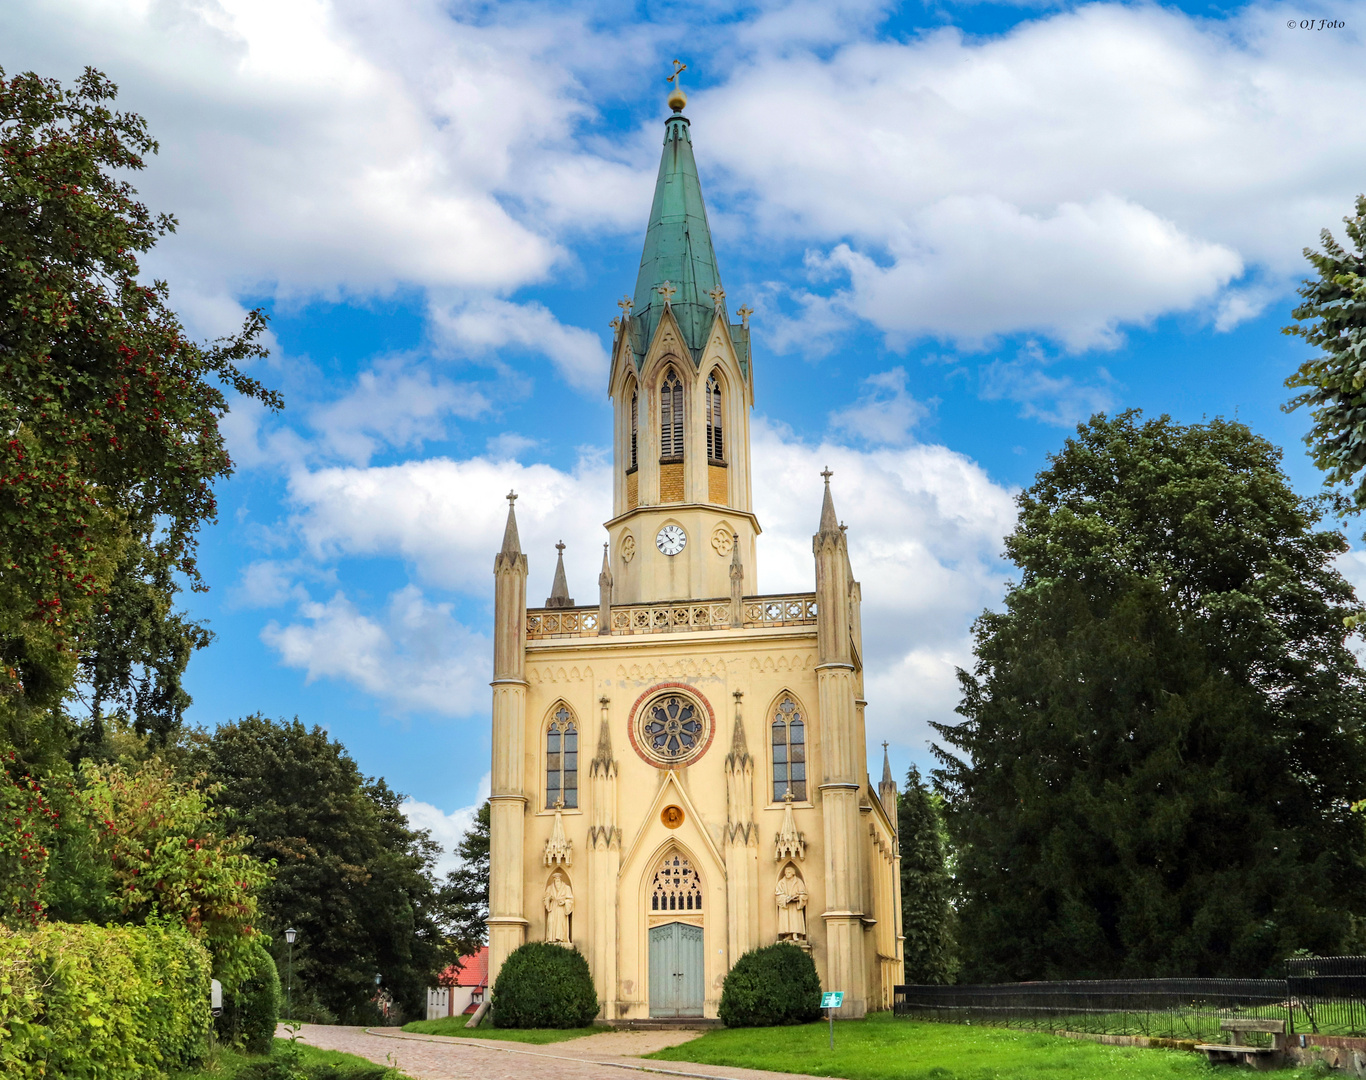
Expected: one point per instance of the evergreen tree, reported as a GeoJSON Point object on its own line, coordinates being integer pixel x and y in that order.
{"type": "Point", "coordinates": [926, 911]}
{"type": "Point", "coordinates": [466, 892]}
{"type": "Point", "coordinates": [1333, 318]}
{"type": "Point", "coordinates": [1163, 732]}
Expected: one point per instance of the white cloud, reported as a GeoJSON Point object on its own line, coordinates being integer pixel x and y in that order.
{"type": "Point", "coordinates": [417, 658]}
{"type": "Point", "coordinates": [885, 411]}
{"type": "Point", "coordinates": [1055, 399]}
{"type": "Point", "coordinates": [394, 405]}
{"type": "Point", "coordinates": [1087, 170]}
{"type": "Point", "coordinates": [267, 583]}
{"type": "Point", "coordinates": [484, 325]}
{"type": "Point", "coordinates": [447, 828]}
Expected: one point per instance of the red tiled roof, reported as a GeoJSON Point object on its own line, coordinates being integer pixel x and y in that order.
{"type": "Point", "coordinates": [468, 971]}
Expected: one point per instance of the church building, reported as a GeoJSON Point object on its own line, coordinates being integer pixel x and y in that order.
{"type": "Point", "coordinates": [680, 769]}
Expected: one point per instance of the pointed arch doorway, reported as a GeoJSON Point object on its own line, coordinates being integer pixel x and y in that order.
{"type": "Point", "coordinates": [677, 953]}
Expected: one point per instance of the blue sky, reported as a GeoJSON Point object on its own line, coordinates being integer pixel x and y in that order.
{"type": "Point", "coordinates": [962, 227]}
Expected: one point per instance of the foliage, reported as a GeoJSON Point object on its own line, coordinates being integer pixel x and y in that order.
{"type": "Point", "coordinates": [1163, 730]}
{"type": "Point", "coordinates": [774, 985]}
{"type": "Point", "coordinates": [301, 1059]}
{"type": "Point", "coordinates": [883, 1047]}
{"type": "Point", "coordinates": [466, 891]}
{"type": "Point", "coordinates": [111, 416]}
{"type": "Point", "coordinates": [26, 822]}
{"type": "Point", "coordinates": [251, 1010]}
{"type": "Point", "coordinates": [139, 844]}
{"type": "Point", "coordinates": [118, 1003]}
{"type": "Point", "coordinates": [455, 1026]}
{"type": "Point", "coordinates": [351, 875]}
{"type": "Point", "coordinates": [1332, 318]}
{"type": "Point", "coordinates": [543, 986]}
{"type": "Point", "coordinates": [927, 915]}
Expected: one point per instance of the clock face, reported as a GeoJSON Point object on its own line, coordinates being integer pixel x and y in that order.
{"type": "Point", "coordinates": [671, 540]}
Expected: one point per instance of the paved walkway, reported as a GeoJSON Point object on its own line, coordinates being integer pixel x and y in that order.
{"type": "Point", "coordinates": [609, 1056]}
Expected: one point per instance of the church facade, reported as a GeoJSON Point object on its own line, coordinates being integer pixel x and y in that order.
{"type": "Point", "coordinates": [680, 769]}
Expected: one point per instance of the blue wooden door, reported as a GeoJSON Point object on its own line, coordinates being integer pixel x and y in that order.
{"type": "Point", "coordinates": [676, 960]}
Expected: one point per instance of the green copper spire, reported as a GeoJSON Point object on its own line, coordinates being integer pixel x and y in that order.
{"type": "Point", "coordinates": [678, 249]}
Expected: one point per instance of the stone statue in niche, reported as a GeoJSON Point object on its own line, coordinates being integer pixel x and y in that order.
{"type": "Point", "coordinates": [791, 893]}
{"type": "Point", "coordinates": [559, 905]}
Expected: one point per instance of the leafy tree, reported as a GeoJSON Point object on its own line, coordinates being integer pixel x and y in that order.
{"type": "Point", "coordinates": [1163, 731]}
{"type": "Point", "coordinates": [1333, 318]}
{"type": "Point", "coordinates": [110, 417]}
{"type": "Point", "coordinates": [351, 875]}
{"type": "Point", "coordinates": [466, 891]}
{"type": "Point", "coordinates": [926, 910]}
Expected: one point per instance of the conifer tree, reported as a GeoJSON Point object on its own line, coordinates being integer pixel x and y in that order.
{"type": "Point", "coordinates": [926, 911]}
{"type": "Point", "coordinates": [1163, 733]}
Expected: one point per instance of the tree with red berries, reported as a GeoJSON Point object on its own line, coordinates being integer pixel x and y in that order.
{"type": "Point", "coordinates": [109, 428]}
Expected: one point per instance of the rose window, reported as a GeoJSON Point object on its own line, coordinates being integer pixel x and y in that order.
{"type": "Point", "coordinates": [672, 727]}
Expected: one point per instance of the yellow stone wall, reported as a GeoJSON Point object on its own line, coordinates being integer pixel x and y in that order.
{"type": "Point", "coordinates": [633, 490]}
{"type": "Point", "coordinates": [671, 482]}
{"type": "Point", "coordinates": [716, 485]}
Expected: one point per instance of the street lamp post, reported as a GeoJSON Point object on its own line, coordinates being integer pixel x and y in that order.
{"type": "Point", "coordinates": [379, 1004]}
{"type": "Point", "coordinates": [290, 935]}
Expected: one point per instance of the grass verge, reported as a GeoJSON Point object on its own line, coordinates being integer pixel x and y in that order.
{"type": "Point", "coordinates": [455, 1025]}
{"type": "Point", "coordinates": [884, 1048]}
{"type": "Point", "coordinates": [227, 1064]}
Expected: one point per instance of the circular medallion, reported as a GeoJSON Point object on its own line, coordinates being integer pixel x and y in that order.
{"type": "Point", "coordinates": [671, 725]}
{"type": "Point", "coordinates": [671, 540]}
{"type": "Point", "coordinates": [672, 816]}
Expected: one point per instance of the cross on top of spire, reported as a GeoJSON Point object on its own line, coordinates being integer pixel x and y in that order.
{"type": "Point", "coordinates": [827, 474]}
{"type": "Point", "coordinates": [559, 546]}
{"type": "Point", "coordinates": [512, 496]}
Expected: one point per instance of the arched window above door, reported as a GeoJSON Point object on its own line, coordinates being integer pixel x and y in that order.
{"type": "Point", "coordinates": [676, 886]}
{"type": "Point", "coordinates": [671, 417]}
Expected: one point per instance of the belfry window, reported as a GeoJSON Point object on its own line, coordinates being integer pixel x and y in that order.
{"type": "Point", "coordinates": [562, 760]}
{"type": "Point", "coordinates": [635, 428]}
{"type": "Point", "coordinates": [789, 751]}
{"type": "Point", "coordinates": [715, 448]}
{"type": "Point", "coordinates": [671, 417]}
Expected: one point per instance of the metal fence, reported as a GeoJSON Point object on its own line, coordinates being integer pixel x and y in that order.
{"type": "Point", "coordinates": [1319, 995]}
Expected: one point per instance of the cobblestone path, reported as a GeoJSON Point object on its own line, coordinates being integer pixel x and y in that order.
{"type": "Point", "coordinates": [613, 1055]}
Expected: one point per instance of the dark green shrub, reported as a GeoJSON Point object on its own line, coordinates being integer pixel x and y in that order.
{"type": "Point", "coordinates": [80, 1000]}
{"type": "Point", "coordinates": [544, 986]}
{"type": "Point", "coordinates": [771, 986]}
{"type": "Point", "coordinates": [251, 1011]}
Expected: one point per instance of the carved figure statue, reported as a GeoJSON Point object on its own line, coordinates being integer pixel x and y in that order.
{"type": "Point", "coordinates": [559, 905]}
{"type": "Point", "coordinates": [791, 893]}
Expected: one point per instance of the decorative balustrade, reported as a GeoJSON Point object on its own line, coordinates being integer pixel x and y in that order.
{"type": "Point", "coordinates": [672, 616]}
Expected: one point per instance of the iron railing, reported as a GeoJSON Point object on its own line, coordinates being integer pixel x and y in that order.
{"type": "Point", "coordinates": [1327, 995]}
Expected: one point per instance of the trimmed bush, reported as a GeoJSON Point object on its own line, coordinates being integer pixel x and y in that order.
{"type": "Point", "coordinates": [114, 1002]}
{"type": "Point", "coordinates": [770, 986]}
{"type": "Point", "coordinates": [251, 1012]}
{"type": "Point", "coordinates": [544, 986]}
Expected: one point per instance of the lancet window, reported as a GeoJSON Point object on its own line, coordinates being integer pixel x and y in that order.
{"type": "Point", "coordinates": [562, 760]}
{"type": "Point", "coordinates": [789, 751]}
{"type": "Point", "coordinates": [635, 428]}
{"type": "Point", "coordinates": [671, 416]}
{"type": "Point", "coordinates": [676, 886]}
{"type": "Point", "coordinates": [715, 447]}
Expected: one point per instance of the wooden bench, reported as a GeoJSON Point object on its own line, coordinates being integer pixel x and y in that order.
{"type": "Point", "coordinates": [1259, 1057]}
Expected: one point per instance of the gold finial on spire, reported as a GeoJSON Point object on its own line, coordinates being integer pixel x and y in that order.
{"type": "Point", "coordinates": [677, 99]}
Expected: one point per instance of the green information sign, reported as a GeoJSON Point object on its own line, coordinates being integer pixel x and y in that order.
{"type": "Point", "coordinates": [832, 999]}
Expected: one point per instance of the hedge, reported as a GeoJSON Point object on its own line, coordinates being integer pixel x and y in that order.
{"type": "Point", "coordinates": [251, 1012]}
{"type": "Point", "coordinates": [770, 986]}
{"type": "Point", "coordinates": [87, 1002]}
{"type": "Point", "coordinates": [543, 986]}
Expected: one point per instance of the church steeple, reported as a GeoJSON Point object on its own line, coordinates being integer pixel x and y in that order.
{"type": "Point", "coordinates": [678, 251]}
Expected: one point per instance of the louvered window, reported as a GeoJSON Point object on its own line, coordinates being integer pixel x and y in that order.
{"type": "Point", "coordinates": [635, 428]}
{"type": "Point", "coordinates": [715, 447]}
{"type": "Point", "coordinates": [671, 416]}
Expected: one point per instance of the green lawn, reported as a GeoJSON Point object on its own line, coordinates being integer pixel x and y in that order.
{"type": "Point", "coordinates": [885, 1048]}
{"type": "Point", "coordinates": [225, 1064]}
{"type": "Point", "coordinates": [455, 1025]}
